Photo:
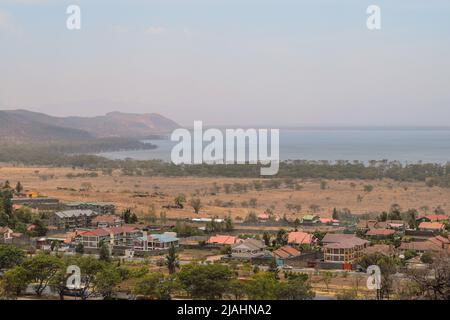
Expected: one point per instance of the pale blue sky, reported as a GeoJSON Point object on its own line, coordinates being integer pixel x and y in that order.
{"type": "Point", "coordinates": [253, 62]}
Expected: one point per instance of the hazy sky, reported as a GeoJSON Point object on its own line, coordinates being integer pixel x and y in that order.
{"type": "Point", "coordinates": [253, 62]}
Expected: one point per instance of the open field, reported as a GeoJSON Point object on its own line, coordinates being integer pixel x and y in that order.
{"type": "Point", "coordinates": [127, 191]}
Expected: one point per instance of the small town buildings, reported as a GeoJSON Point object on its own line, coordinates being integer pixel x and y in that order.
{"type": "Point", "coordinates": [300, 238]}
{"type": "Point", "coordinates": [437, 218]}
{"type": "Point", "coordinates": [310, 219]}
{"type": "Point", "coordinates": [286, 252]}
{"type": "Point", "coordinates": [6, 234]}
{"type": "Point", "coordinates": [420, 247]}
{"type": "Point", "coordinates": [380, 233]}
{"type": "Point", "coordinates": [385, 249]}
{"type": "Point", "coordinates": [72, 219]}
{"type": "Point", "coordinates": [329, 221]}
{"type": "Point", "coordinates": [441, 241]}
{"type": "Point", "coordinates": [343, 248]}
{"type": "Point", "coordinates": [222, 240]}
{"type": "Point", "coordinates": [432, 227]}
{"type": "Point", "coordinates": [397, 225]}
{"type": "Point", "coordinates": [106, 221]}
{"type": "Point", "coordinates": [116, 236]}
{"type": "Point", "coordinates": [151, 242]}
{"type": "Point", "coordinates": [101, 208]}
{"type": "Point", "coordinates": [126, 238]}
{"type": "Point", "coordinates": [248, 249]}
{"type": "Point", "coordinates": [41, 203]}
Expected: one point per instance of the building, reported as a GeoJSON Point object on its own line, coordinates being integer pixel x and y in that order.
{"type": "Point", "coordinates": [101, 208]}
{"type": "Point", "coordinates": [299, 238]}
{"type": "Point", "coordinates": [6, 234]}
{"type": "Point", "coordinates": [41, 203]}
{"type": "Point", "coordinates": [126, 237]}
{"type": "Point", "coordinates": [384, 249]}
{"type": "Point", "coordinates": [437, 218]}
{"type": "Point", "coordinates": [222, 240]}
{"type": "Point", "coordinates": [249, 248]}
{"type": "Point", "coordinates": [151, 242]}
{"type": "Point", "coordinates": [115, 237]}
{"type": "Point", "coordinates": [420, 247]}
{"type": "Point", "coordinates": [431, 227]}
{"type": "Point", "coordinates": [72, 219]}
{"type": "Point", "coordinates": [106, 221]}
{"type": "Point", "coordinates": [441, 241]}
{"type": "Point", "coordinates": [343, 248]}
{"type": "Point", "coordinates": [286, 252]}
{"type": "Point", "coordinates": [329, 221]}
{"type": "Point", "coordinates": [380, 233]}
{"type": "Point", "coordinates": [310, 219]}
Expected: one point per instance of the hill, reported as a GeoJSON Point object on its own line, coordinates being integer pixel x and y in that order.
{"type": "Point", "coordinates": [24, 126]}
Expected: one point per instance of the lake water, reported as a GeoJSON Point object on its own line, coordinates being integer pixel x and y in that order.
{"type": "Point", "coordinates": [407, 146]}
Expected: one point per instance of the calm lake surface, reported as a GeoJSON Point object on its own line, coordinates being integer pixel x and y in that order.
{"type": "Point", "coordinates": [407, 146]}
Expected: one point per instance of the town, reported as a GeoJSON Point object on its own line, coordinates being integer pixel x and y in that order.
{"type": "Point", "coordinates": [122, 255]}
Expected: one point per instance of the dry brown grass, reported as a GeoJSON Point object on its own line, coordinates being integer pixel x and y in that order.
{"type": "Point", "coordinates": [119, 190]}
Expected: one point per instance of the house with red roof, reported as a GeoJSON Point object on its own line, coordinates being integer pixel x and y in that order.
{"type": "Point", "coordinates": [222, 240]}
{"type": "Point", "coordinates": [286, 252]}
{"type": "Point", "coordinates": [300, 238]}
{"type": "Point", "coordinates": [380, 233]}
{"type": "Point", "coordinates": [432, 227]}
{"type": "Point", "coordinates": [438, 218]}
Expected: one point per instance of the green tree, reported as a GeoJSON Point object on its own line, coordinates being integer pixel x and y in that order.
{"type": "Point", "coordinates": [172, 259]}
{"type": "Point", "coordinates": [156, 285]}
{"type": "Point", "coordinates": [79, 248]}
{"type": "Point", "coordinates": [14, 281]}
{"type": "Point", "coordinates": [104, 253]}
{"type": "Point", "coordinates": [296, 288]}
{"type": "Point", "coordinates": [180, 200]}
{"type": "Point", "coordinates": [19, 187]}
{"type": "Point", "coordinates": [41, 269]}
{"type": "Point", "coordinates": [262, 286]}
{"type": "Point", "coordinates": [106, 281]}
{"type": "Point", "coordinates": [10, 256]}
{"type": "Point", "coordinates": [205, 281]}
{"type": "Point", "coordinates": [89, 267]}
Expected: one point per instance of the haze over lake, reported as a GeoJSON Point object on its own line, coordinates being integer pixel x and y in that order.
{"type": "Point", "coordinates": [406, 146]}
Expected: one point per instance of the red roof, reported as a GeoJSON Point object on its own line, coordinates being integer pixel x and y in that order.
{"type": "Point", "coordinates": [299, 237]}
{"type": "Point", "coordinates": [431, 225]}
{"type": "Point", "coordinates": [106, 231]}
{"type": "Point", "coordinates": [437, 217]}
{"type": "Point", "coordinates": [380, 232]}
{"type": "Point", "coordinates": [286, 252]}
{"type": "Point", "coordinates": [222, 239]}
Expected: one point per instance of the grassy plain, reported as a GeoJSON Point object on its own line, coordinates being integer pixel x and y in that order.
{"type": "Point", "coordinates": [130, 191]}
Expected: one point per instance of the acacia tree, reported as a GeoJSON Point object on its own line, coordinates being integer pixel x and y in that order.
{"type": "Point", "coordinates": [41, 269]}
{"type": "Point", "coordinates": [205, 281]}
{"type": "Point", "coordinates": [434, 282]}
{"type": "Point", "coordinates": [196, 204]}
{"type": "Point", "coordinates": [180, 200]}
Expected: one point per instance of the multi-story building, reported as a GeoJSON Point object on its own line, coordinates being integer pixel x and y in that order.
{"type": "Point", "coordinates": [151, 242]}
{"type": "Point", "coordinates": [99, 207]}
{"type": "Point", "coordinates": [72, 219]}
{"type": "Point", "coordinates": [343, 248]}
{"type": "Point", "coordinates": [126, 238]}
